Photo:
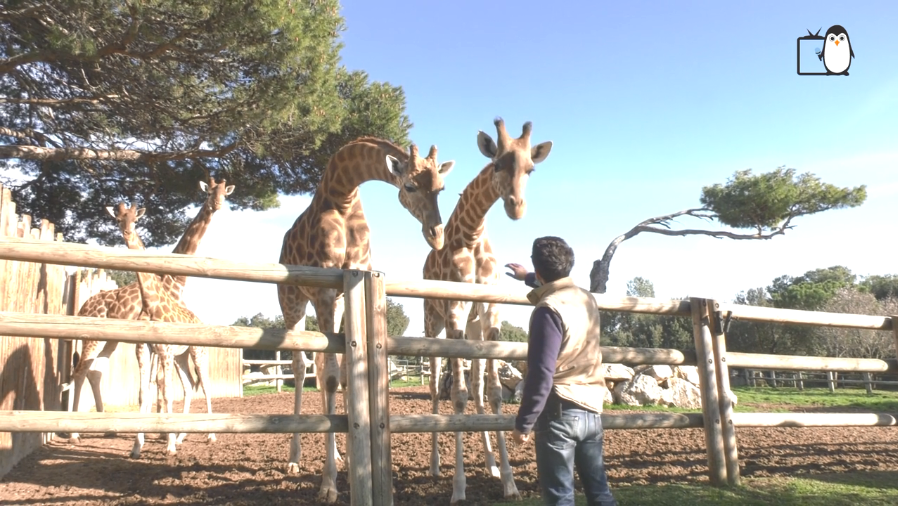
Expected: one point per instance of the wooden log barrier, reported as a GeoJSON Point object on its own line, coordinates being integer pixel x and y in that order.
{"type": "Point", "coordinates": [704, 352]}
{"type": "Point", "coordinates": [61, 421]}
{"type": "Point", "coordinates": [358, 408]}
{"type": "Point", "coordinates": [379, 385]}
{"type": "Point", "coordinates": [717, 336]}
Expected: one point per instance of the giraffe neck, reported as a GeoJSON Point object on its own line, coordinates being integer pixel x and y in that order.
{"type": "Point", "coordinates": [150, 285]}
{"type": "Point", "coordinates": [356, 163]}
{"type": "Point", "coordinates": [467, 223]}
{"type": "Point", "coordinates": [188, 245]}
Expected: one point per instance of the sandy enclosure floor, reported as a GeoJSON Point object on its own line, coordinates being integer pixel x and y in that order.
{"type": "Point", "coordinates": [250, 468]}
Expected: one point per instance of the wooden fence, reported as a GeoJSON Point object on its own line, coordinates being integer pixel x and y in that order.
{"type": "Point", "coordinates": [35, 373]}
{"type": "Point", "coordinates": [365, 346]}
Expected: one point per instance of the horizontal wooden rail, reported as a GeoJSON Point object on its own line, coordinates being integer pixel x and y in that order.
{"type": "Point", "coordinates": [141, 331]}
{"type": "Point", "coordinates": [61, 421]}
{"type": "Point", "coordinates": [799, 317]}
{"type": "Point", "coordinates": [249, 362]}
{"type": "Point", "coordinates": [802, 363]}
{"type": "Point", "coordinates": [448, 290]}
{"type": "Point", "coordinates": [166, 263]}
{"type": "Point", "coordinates": [814, 420]}
{"type": "Point", "coordinates": [64, 421]}
{"type": "Point", "coordinates": [190, 265]}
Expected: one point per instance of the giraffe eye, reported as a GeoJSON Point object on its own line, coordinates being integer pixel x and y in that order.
{"type": "Point", "coordinates": [411, 189]}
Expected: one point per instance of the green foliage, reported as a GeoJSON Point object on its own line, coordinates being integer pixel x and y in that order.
{"type": "Point", "coordinates": [159, 92]}
{"type": "Point", "coordinates": [643, 330]}
{"type": "Point", "coordinates": [882, 287]}
{"type": "Point", "coordinates": [397, 321]}
{"type": "Point", "coordinates": [123, 278]}
{"type": "Point", "coordinates": [770, 200]}
{"type": "Point", "coordinates": [512, 333]}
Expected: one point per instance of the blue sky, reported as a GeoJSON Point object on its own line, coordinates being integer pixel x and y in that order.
{"type": "Point", "coordinates": [646, 102]}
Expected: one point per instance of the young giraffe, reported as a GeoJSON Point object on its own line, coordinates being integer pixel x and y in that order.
{"type": "Point", "coordinates": [468, 257]}
{"type": "Point", "coordinates": [332, 232]}
{"type": "Point", "coordinates": [124, 304]}
{"type": "Point", "coordinates": [158, 306]}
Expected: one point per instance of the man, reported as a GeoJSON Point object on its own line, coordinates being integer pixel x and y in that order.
{"type": "Point", "coordinates": [564, 387]}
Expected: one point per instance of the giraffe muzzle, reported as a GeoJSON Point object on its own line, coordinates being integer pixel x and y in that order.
{"type": "Point", "coordinates": [434, 236]}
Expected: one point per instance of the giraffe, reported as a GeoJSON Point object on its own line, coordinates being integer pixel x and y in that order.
{"type": "Point", "coordinates": [158, 305]}
{"type": "Point", "coordinates": [124, 304]}
{"type": "Point", "coordinates": [468, 257]}
{"type": "Point", "coordinates": [332, 232]}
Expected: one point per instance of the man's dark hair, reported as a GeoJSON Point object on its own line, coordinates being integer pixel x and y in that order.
{"type": "Point", "coordinates": [552, 258]}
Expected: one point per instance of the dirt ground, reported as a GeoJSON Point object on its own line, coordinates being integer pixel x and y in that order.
{"type": "Point", "coordinates": [249, 468]}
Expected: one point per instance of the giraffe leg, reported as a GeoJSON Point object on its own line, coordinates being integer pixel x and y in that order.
{"type": "Point", "coordinates": [182, 365]}
{"type": "Point", "coordinates": [88, 350]}
{"type": "Point", "coordinates": [434, 327]}
{"type": "Point", "coordinates": [473, 333]}
{"type": "Point", "coordinates": [146, 364]}
{"type": "Point", "coordinates": [293, 304]}
{"type": "Point", "coordinates": [328, 370]}
{"type": "Point", "coordinates": [490, 322]}
{"type": "Point", "coordinates": [458, 313]}
{"type": "Point", "coordinates": [201, 360]}
{"type": "Point", "coordinates": [167, 362]}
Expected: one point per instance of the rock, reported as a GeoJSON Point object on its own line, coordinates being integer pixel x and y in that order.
{"type": "Point", "coordinates": [618, 389]}
{"type": "Point", "coordinates": [688, 373]}
{"type": "Point", "coordinates": [682, 394]}
{"type": "Point", "coordinates": [642, 391]}
{"type": "Point", "coordinates": [508, 375]}
{"type": "Point", "coordinates": [521, 365]}
{"type": "Point", "coordinates": [659, 372]}
{"type": "Point", "coordinates": [618, 372]}
{"type": "Point", "coordinates": [608, 398]}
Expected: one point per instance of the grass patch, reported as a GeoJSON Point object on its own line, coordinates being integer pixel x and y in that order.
{"type": "Point", "coordinates": [792, 399]}
{"type": "Point", "coordinates": [411, 382]}
{"type": "Point", "coordinates": [869, 489]}
{"type": "Point", "coordinates": [250, 390]}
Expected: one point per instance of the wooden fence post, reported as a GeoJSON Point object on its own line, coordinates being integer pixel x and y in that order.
{"type": "Point", "coordinates": [868, 382]}
{"type": "Point", "coordinates": [831, 379]}
{"type": "Point", "coordinates": [717, 334]}
{"type": "Point", "coordinates": [280, 370]}
{"type": "Point", "coordinates": [356, 357]}
{"type": "Point", "coordinates": [379, 384]}
{"type": "Point", "coordinates": [800, 383]}
{"type": "Point", "coordinates": [704, 354]}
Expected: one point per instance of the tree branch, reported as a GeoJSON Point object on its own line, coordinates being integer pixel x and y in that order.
{"type": "Point", "coordinates": [598, 277]}
{"type": "Point", "coordinates": [119, 155]}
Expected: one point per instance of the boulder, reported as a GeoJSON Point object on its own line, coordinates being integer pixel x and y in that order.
{"type": "Point", "coordinates": [519, 392]}
{"type": "Point", "coordinates": [642, 391]}
{"type": "Point", "coordinates": [608, 398]}
{"type": "Point", "coordinates": [617, 372]}
{"type": "Point", "coordinates": [521, 365]}
{"type": "Point", "coordinates": [659, 372]}
{"type": "Point", "coordinates": [682, 394]}
{"type": "Point", "coordinates": [688, 373]}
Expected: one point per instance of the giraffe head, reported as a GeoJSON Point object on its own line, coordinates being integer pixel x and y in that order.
{"type": "Point", "coordinates": [420, 182]}
{"type": "Point", "coordinates": [217, 192]}
{"type": "Point", "coordinates": [127, 219]}
{"type": "Point", "coordinates": [513, 161]}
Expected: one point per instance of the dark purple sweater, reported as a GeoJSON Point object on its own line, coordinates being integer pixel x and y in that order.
{"type": "Point", "coordinates": [543, 347]}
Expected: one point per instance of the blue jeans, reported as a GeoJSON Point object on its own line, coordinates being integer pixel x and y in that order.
{"type": "Point", "coordinates": [573, 438]}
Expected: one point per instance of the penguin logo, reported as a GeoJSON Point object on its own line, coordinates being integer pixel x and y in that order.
{"type": "Point", "coordinates": [833, 53]}
{"type": "Point", "coordinates": [837, 52]}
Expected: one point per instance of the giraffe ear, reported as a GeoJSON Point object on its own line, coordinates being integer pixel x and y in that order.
{"type": "Point", "coordinates": [446, 167]}
{"type": "Point", "coordinates": [204, 186]}
{"type": "Point", "coordinates": [539, 152]}
{"type": "Point", "coordinates": [396, 167]}
{"type": "Point", "coordinates": [229, 189]}
{"type": "Point", "coordinates": [487, 145]}
{"type": "Point", "coordinates": [111, 211]}
{"type": "Point", "coordinates": [139, 212]}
